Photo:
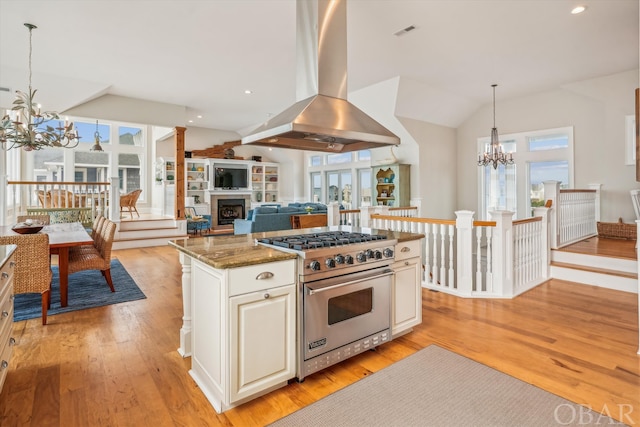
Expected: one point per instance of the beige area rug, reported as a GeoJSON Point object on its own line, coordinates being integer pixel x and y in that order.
{"type": "Point", "coordinates": [435, 387]}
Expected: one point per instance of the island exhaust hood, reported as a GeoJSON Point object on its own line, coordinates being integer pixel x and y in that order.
{"type": "Point", "coordinates": [322, 119]}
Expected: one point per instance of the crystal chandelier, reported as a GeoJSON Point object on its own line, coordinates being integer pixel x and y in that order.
{"type": "Point", "coordinates": [494, 154]}
{"type": "Point", "coordinates": [27, 127]}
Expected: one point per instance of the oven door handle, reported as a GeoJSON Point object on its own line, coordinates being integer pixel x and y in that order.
{"type": "Point", "coordinates": [311, 291]}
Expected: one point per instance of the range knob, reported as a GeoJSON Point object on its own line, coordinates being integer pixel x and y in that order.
{"type": "Point", "coordinates": [339, 259]}
{"type": "Point", "coordinates": [369, 253]}
{"type": "Point", "coordinates": [314, 265]}
{"type": "Point", "coordinates": [387, 252]}
{"type": "Point", "coordinates": [330, 262]}
{"type": "Point", "coordinates": [377, 255]}
{"type": "Point", "coordinates": [361, 257]}
{"type": "Point", "coordinates": [348, 259]}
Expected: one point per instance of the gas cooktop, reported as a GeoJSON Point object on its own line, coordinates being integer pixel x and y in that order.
{"type": "Point", "coordinates": [328, 239]}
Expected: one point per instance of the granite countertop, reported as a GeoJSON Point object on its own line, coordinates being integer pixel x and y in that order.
{"type": "Point", "coordinates": [241, 250]}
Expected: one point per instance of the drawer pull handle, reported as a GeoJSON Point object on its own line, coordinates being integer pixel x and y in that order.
{"type": "Point", "coordinates": [4, 365]}
{"type": "Point", "coordinates": [264, 275]}
{"type": "Point", "coordinates": [12, 264]}
{"type": "Point", "coordinates": [5, 314]}
{"type": "Point", "coordinates": [405, 249]}
{"type": "Point", "coordinates": [5, 275]}
{"type": "Point", "coordinates": [12, 341]}
{"type": "Point", "coordinates": [266, 295]}
{"type": "Point", "coordinates": [406, 263]}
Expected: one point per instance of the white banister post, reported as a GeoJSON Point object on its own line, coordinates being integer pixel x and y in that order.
{"type": "Point", "coordinates": [545, 256]}
{"type": "Point", "coordinates": [464, 251]}
{"type": "Point", "coordinates": [365, 216]}
{"type": "Point", "coordinates": [503, 253]}
{"type": "Point", "coordinates": [3, 198]}
{"type": "Point", "coordinates": [552, 192]}
{"type": "Point", "coordinates": [598, 188]}
{"type": "Point", "coordinates": [417, 202]}
{"type": "Point", "coordinates": [333, 214]}
{"type": "Point", "coordinates": [638, 271]}
{"type": "Point", "coordinates": [114, 199]}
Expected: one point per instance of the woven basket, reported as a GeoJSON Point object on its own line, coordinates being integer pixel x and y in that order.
{"type": "Point", "coordinates": [617, 230]}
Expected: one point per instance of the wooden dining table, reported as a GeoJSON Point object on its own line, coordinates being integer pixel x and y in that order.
{"type": "Point", "coordinates": [62, 237]}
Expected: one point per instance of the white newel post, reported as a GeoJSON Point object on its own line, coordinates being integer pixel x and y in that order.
{"type": "Point", "coordinates": [638, 234]}
{"type": "Point", "coordinates": [545, 256]}
{"type": "Point", "coordinates": [185, 330]}
{"type": "Point", "coordinates": [598, 188]}
{"type": "Point", "coordinates": [503, 253]}
{"type": "Point", "coordinates": [365, 216]}
{"type": "Point", "coordinates": [464, 242]}
{"type": "Point", "coordinates": [552, 192]}
{"type": "Point", "coordinates": [333, 214]}
{"type": "Point", "coordinates": [114, 199]}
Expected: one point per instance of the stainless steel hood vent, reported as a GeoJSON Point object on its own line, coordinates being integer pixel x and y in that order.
{"type": "Point", "coordinates": [322, 119]}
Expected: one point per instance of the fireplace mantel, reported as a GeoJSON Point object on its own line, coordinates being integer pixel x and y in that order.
{"type": "Point", "coordinates": [227, 195]}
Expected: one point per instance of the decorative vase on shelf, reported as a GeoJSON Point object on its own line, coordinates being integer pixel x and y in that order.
{"type": "Point", "coordinates": [259, 197]}
{"type": "Point", "coordinates": [193, 168]}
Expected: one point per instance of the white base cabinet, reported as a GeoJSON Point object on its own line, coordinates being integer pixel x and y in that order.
{"type": "Point", "coordinates": [6, 309]}
{"type": "Point", "coordinates": [406, 304]}
{"type": "Point", "coordinates": [243, 330]}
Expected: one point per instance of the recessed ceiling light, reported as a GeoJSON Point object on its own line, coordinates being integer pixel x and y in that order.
{"type": "Point", "coordinates": [248, 92]}
{"type": "Point", "coordinates": [190, 121]}
{"type": "Point", "coordinates": [578, 9]}
{"type": "Point", "coordinates": [199, 116]}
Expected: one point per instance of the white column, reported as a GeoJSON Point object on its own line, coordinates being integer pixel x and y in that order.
{"type": "Point", "coordinates": [638, 234]}
{"type": "Point", "coordinates": [503, 253]}
{"type": "Point", "coordinates": [3, 197]}
{"type": "Point", "coordinates": [185, 330]}
{"type": "Point", "coordinates": [464, 242]}
{"type": "Point", "coordinates": [365, 216]}
{"type": "Point", "coordinates": [114, 199]}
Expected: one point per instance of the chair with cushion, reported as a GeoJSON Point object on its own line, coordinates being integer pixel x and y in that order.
{"type": "Point", "coordinates": [33, 270]}
{"type": "Point", "coordinates": [42, 219]}
{"type": "Point", "coordinates": [196, 223]}
{"type": "Point", "coordinates": [97, 257]}
{"type": "Point", "coordinates": [129, 200]}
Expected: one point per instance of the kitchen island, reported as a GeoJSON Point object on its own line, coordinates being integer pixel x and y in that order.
{"type": "Point", "coordinates": [240, 321]}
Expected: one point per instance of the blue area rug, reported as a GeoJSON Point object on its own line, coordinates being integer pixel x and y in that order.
{"type": "Point", "coordinates": [87, 289]}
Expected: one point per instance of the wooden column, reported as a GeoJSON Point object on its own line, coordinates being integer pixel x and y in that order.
{"type": "Point", "coordinates": [179, 178]}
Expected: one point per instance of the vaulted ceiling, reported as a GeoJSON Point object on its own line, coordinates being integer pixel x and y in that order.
{"type": "Point", "coordinates": [203, 54]}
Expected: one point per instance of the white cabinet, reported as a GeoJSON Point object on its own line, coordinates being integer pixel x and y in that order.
{"type": "Point", "coordinates": [265, 183]}
{"type": "Point", "coordinates": [6, 309]}
{"type": "Point", "coordinates": [406, 304]}
{"type": "Point", "coordinates": [243, 330]}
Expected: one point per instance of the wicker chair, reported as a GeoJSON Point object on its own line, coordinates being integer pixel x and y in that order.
{"type": "Point", "coordinates": [97, 257]}
{"type": "Point", "coordinates": [33, 270]}
{"type": "Point", "coordinates": [44, 198]}
{"type": "Point", "coordinates": [61, 198]}
{"type": "Point", "coordinates": [129, 200]}
{"type": "Point", "coordinates": [43, 219]}
{"type": "Point", "coordinates": [96, 235]}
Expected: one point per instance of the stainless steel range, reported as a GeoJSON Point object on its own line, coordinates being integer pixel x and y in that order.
{"type": "Point", "coordinates": [344, 294]}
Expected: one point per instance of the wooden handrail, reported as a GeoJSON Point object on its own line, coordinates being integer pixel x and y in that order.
{"type": "Point", "coordinates": [526, 220]}
{"type": "Point", "coordinates": [57, 183]}
{"type": "Point", "coordinates": [401, 208]}
{"type": "Point", "coordinates": [413, 219]}
{"type": "Point", "coordinates": [345, 211]}
{"type": "Point", "coordinates": [573, 190]}
{"type": "Point", "coordinates": [484, 223]}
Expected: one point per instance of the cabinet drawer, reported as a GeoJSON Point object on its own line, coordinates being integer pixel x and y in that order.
{"type": "Point", "coordinates": [6, 348]}
{"type": "Point", "coordinates": [410, 249]}
{"type": "Point", "coordinates": [6, 274]}
{"type": "Point", "coordinates": [6, 317]}
{"type": "Point", "coordinates": [261, 276]}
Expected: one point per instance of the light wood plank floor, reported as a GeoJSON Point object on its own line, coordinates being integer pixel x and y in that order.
{"type": "Point", "coordinates": [615, 248]}
{"type": "Point", "coordinates": [118, 365]}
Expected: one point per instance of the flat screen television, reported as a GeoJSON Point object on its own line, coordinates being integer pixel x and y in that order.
{"type": "Point", "coordinates": [227, 177]}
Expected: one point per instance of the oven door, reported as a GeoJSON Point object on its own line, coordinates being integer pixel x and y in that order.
{"type": "Point", "coordinates": [340, 310]}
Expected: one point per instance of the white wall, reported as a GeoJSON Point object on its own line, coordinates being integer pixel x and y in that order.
{"type": "Point", "coordinates": [596, 109]}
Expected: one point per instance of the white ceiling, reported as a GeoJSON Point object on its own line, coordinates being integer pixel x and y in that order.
{"type": "Point", "coordinates": [203, 54]}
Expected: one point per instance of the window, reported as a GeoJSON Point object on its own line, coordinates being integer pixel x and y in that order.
{"type": "Point", "coordinates": [364, 189]}
{"type": "Point", "coordinates": [539, 156]}
{"type": "Point", "coordinates": [340, 188]}
{"type": "Point", "coordinates": [87, 132]}
{"type": "Point", "coordinates": [334, 159]}
{"type": "Point", "coordinates": [316, 187]}
{"type": "Point", "coordinates": [129, 172]}
{"type": "Point", "coordinates": [130, 136]}
{"type": "Point", "coordinates": [48, 164]}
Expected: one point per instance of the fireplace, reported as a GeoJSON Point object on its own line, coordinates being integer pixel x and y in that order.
{"type": "Point", "coordinates": [227, 207]}
{"type": "Point", "coordinates": [230, 209]}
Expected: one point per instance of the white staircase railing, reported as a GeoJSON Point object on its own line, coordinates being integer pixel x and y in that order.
{"type": "Point", "coordinates": [491, 259]}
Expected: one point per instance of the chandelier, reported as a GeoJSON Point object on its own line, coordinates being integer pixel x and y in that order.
{"type": "Point", "coordinates": [494, 154]}
{"type": "Point", "coordinates": [27, 127]}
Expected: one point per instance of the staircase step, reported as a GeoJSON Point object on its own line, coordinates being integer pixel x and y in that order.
{"type": "Point", "coordinates": [595, 276]}
{"type": "Point", "coordinates": [595, 269]}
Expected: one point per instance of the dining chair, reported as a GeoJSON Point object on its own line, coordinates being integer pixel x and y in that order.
{"type": "Point", "coordinates": [129, 200]}
{"type": "Point", "coordinates": [44, 198]}
{"type": "Point", "coordinates": [96, 235]}
{"type": "Point", "coordinates": [43, 219]}
{"type": "Point", "coordinates": [61, 198]}
{"type": "Point", "coordinates": [98, 257]}
{"type": "Point", "coordinates": [33, 270]}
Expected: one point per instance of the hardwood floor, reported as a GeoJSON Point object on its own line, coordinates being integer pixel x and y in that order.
{"type": "Point", "coordinates": [118, 365]}
{"type": "Point", "coordinates": [615, 248]}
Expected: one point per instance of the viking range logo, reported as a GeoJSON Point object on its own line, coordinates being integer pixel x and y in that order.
{"type": "Point", "coordinates": [318, 343]}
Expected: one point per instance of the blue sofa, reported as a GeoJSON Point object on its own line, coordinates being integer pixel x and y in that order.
{"type": "Point", "coordinates": [270, 218]}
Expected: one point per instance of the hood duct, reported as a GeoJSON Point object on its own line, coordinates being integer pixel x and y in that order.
{"type": "Point", "coordinates": [322, 119]}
